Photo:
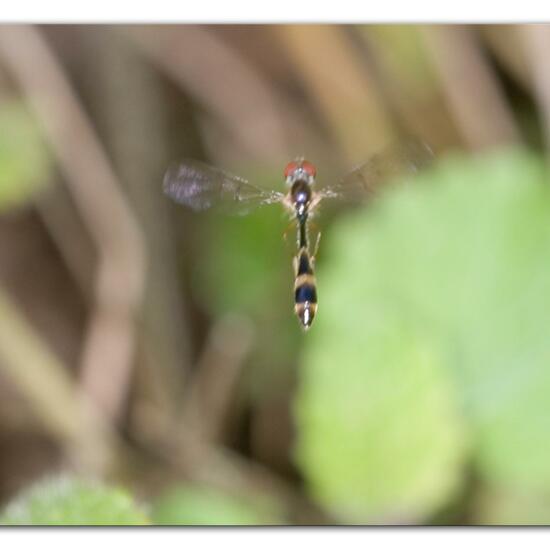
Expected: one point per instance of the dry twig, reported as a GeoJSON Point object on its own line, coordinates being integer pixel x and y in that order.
{"type": "Point", "coordinates": [109, 344]}
{"type": "Point", "coordinates": [213, 383]}
{"type": "Point", "coordinates": [474, 96]}
{"type": "Point", "coordinates": [137, 133]}
{"type": "Point", "coordinates": [341, 86]}
{"type": "Point", "coordinates": [192, 56]}
{"type": "Point", "coordinates": [45, 382]}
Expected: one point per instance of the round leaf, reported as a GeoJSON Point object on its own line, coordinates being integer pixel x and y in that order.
{"type": "Point", "coordinates": [72, 501]}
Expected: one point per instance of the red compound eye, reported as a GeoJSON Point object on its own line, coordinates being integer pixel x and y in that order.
{"type": "Point", "coordinates": [309, 169]}
{"type": "Point", "coordinates": [290, 167]}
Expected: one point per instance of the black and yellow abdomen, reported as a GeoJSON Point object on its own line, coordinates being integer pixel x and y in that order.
{"type": "Point", "coordinates": [305, 290]}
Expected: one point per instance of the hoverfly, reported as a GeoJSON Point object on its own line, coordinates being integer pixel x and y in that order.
{"type": "Point", "coordinates": [200, 187]}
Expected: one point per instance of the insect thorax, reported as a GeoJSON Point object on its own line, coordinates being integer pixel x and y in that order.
{"type": "Point", "coordinates": [300, 193]}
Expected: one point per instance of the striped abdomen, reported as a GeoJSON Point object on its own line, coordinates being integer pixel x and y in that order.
{"type": "Point", "coordinates": [305, 292]}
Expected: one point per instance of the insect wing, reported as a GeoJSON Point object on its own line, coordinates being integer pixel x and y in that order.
{"type": "Point", "coordinates": [406, 157]}
{"type": "Point", "coordinates": [202, 187]}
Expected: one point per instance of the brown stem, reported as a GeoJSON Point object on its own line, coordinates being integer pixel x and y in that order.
{"type": "Point", "coordinates": [109, 343]}
{"type": "Point", "coordinates": [474, 96]}
{"type": "Point", "coordinates": [342, 86]}
{"type": "Point", "coordinates": [212, 386]}
{"type": "Point", "coordinates": [196, 58]}
{"type": "Point", "coordinates": [44, 381]}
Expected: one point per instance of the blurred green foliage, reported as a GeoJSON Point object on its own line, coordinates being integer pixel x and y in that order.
{"type": "Point", "coordinates": [68, 500]}
{"type": "Point", "coordinates": [430, 355]}
{"type": "Point", "coordinates": [245, 266]}
{"type": "Point", "coordinates": [73, 501]}
{"type": "Point", "coordinates": [24, 159]}
{"type": "Point", "coordinates": [195, 505]}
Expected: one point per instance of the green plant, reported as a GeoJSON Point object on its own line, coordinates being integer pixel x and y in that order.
{"type": "Point", "coordinates": [431, 350]}
{"type": "Point", "coordinates": [68, 500]}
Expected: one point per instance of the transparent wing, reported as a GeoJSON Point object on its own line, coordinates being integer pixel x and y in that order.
{"type": "Point", "coordinates": [201, 187]}
{"type": "Point", "coordinates": [405, 157]}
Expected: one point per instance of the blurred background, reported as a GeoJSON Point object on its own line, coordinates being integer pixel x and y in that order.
{"type": "Point", "coordinates": [151, 366]}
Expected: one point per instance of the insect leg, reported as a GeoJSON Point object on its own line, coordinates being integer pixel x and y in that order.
{"type": "Point", "coordinates": [316, 237]}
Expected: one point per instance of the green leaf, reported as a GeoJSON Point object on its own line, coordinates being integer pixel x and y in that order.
{"type": "Point", "coordinates": [25, 163]}
{"type": "Point", "coordinates": [431, 343]}
{"type": "Point", "coordinates": [196, 505]}
{"type": "Point", "coordinates": [380, 438]}
{"type": "Point", "coordinates": [242, 266]}
{"type": "Point", "coordinates": [72, 501]}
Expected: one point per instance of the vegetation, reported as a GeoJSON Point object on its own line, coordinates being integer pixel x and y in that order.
{"type": "Point", "coordinates": [152, 371]}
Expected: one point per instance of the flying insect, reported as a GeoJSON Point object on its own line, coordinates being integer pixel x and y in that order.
{"type": "Point", "coordinates": [200, 186]}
